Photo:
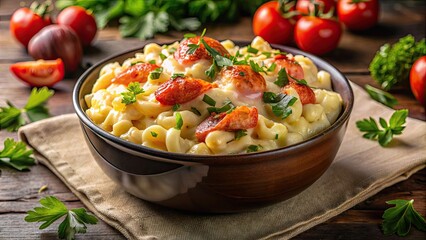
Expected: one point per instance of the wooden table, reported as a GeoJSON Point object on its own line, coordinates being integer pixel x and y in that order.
{"type": "Point", "coordinates": [19, 190]}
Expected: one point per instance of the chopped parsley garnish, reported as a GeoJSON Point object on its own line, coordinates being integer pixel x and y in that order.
{"type": "Point", "coordinates": [211, 71]}
{"type": "Point", "coordinates": [240, 133]}
{"type": "Point", "coordinates": [299, 81]}
{"type": "Point", "coordinates": [228, 107]}
{"type": "Point", "coordinates": [152, 61]}
{"type": "Point", "coordinates": [179, 121]}
{"type": "Point", "coordinates": [16, 155]}
{"type": "Point", "coordinates": [272, 67]}
{"type": "Point", "coordinates": [52, 209]}
{"type": "Point", "coordinates": [134, 63]}
{"type": "Point", "coordinates": [385, 135]}
{"type": "Point", "coordinates": [399, 218]}
{"type": "Point", "coordinates": [154, 134]}
{"type": "Point", "coordinates": [220, 60]}
{"type": "Point", "coordinates": [276, 136]}
{"type": "Point", "coordinates": [280, 103]}
{"type": "Point", "coordinates": [175, 107]}
{"type": "Point", "coordinates": [11, 117]}
{"type": "Point", "coordinates": [381, 96]}
{"type": "Point", "coordinates": [267, 54]}
{"type": "Point", "coordinates": [253, 148]}
{"type": "Point", "coordinates": [210, 101]}
{"type": "Point", "coordinates": [156, 73]}
{"type": "Point", "coordinates": [256, 67]}
{"type": "Point", "coordinates": [162, 56]}
{"type": "Point", "coordinates": [251, 49]}
{"type": "Point", "coordinates": [282, 78]}
{"type": "Point", "coordinates": [172, 50]}
{"type": "Point", "coordinates": [192, 48]}
{"type": "Point", "coordinates": [241, 74]}
{"type": "Point", "coordinates": [133, 89]}
{"type": "Point", "coordinates": [176, 75]}
{"type": "Point", "coordinates": [195, 111]}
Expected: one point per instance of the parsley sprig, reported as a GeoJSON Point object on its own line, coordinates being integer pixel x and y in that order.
{"type": "Point", "coordinates": [385, 135]}
{"type": "Point", "coordinates": [52, 209]}
{"type": "Point", "coordinates": [399, 218]}
{"type": "Point", "coordinates": [133, 89]}
{"type": "Point", "coordinates": [381, 96]}
{"type": "Point", "coordinates": [12, 118]}
{"type": "Point", "coordinates": [282, 78]}
{"type": "Point", "coordinates": [280, 103]}
{"type": "Point", "coordinates": [16, 155]}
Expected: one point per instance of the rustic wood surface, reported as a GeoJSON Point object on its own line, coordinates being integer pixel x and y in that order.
{"type": "Point", "coordinates": [19, 190]}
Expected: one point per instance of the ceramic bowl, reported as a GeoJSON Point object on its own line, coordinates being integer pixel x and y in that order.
{"type": "Point", "coordinates": [217, 183]}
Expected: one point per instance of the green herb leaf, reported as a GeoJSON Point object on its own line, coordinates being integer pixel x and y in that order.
{"type": "Point", "coordinates": [16, 155]}
{"type": "Point", "coordinates": [211, 71]}
{"type": "Point", "coordinates": [253, 148]}
{"type": "Point", "coordinates": [163, 57]}
{"type": "Point", "coordinates": [52, 209]}
{"type": "Point", "coordinates": [381, 96]}
{"type": "Point", "coordinates": [282, 78]}
{"type": "Point", "coordinates": [134, 63]}
{"type": "Point", "coordinates": [299, 81]}
{"type": "Point", "coordinates": [280, 103]}
{"type": "Point", "coordinates": [189, 35]}
{"type": "Point", "coordinates": [210, 101]}
{"type": "Point", "coordinates": [399, 218]}
{"type": "Point", "coordinates": [133, 89]}
{"type": "Point", "coordinates": [228, 106]}
{"type": "Point", "coordinates": [195, 111]}
{"type": "Point", "coordinates": [240, 133]}
{"type": "Point", "coordinates": [392, 63]}
{"type": "Point", "coordinates": [256, 67]}
{"type": "Point", "coordinates": [267, 54]}
{"type": "Point", "coordinates": [175, 107]}
{"type": "Point", "coordinates": [385, 135]}
{"type": "Point", "coordinates": [11, 117]}
{"type": "Point", "coordinates": [154, 134]}
{"type": "Point", "coordinates": [220, 60]}
{"type": "Point", "coordinates": [156, 73]}
{"type": "Point", "coordinates": [152, 61]}
{"type": "Point", "coordinates": [192, 48]}
{"type": "Point", "coordinates": [179, 121]}
{"type": "Point", "coordinates": [272, 67]}
{"type": "Point", "coordinates": [251, 49]}
{"type": "Point", "coordinates": [176, 75]}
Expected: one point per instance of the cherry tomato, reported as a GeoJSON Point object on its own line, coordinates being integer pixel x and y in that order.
{"type": "Point", "coordinates": [317, 35]}
{"type": "Point", "coordinates": [271, 25]}
{"type": "Point", "coordinates": [306, 6]}
{"type": "Point", "coordinates": [25, 23]}
{"type": "Point", "coordinates": [39, 73]}
{"type": "Point", "coordinates": [81, 21]}
{"type": "Point", "coordinates": [358, 14]}
{"type": "Point", "coordinates": [418, 80]}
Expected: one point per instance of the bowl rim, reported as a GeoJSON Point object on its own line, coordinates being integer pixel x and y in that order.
{"type": "Point", "coordinates": [194, 158]}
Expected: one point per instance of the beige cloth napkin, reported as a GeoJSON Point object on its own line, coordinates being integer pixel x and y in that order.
{"type": "Point", "coordinates": [361, 169]}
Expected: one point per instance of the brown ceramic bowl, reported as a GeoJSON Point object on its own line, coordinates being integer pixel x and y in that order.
{"type": "Point", "coordinates": [218, 183]}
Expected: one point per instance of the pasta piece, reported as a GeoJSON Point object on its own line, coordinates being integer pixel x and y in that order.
{"type": "Point", "coordinates": [155, 137]}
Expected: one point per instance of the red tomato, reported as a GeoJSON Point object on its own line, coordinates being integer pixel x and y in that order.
{"type": "Point", "coordinates": [24, 24]}
{"type": "Point", "coordinates": [317, 35]}
{"type": "Point", "coordinates": [81, 21]}
{"type": "Point", "coordinates": [358, 14]}
{"type": "Point", "coordinates": [39, 73]}
{"type": "Point", "coordinates": [418, 80]}
{"type": "Point", "coordinates": [271, 25]}
{"type": "Point", "coordinates": [305, 6]}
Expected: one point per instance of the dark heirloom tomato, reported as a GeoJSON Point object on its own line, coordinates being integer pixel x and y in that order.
{"type": "Point", "coordinates": [418, 80]}
{"type": "Point", "coordinates": [292, 67]}
{"type": "Point", "coordinates": [183, 57]}
{"type": "Point", "coordinates": [25, 23]}
{"type": "Point", "coordinates": [39, 73]}
{"type": "Point", "coordinates": [135, 73]}
{"type": "Point", "coordinates": [317, 35]}
{"type": "Point", "coordinates": [181, 90]}
{"type": "Point", "coordinates": [81, 21]}
{"type": "Point", "coordinates": [358, 14]}
{"type": "Point", "coordinates": [242, 117]}
{"type": "Point", "coordinates": [245, 80]}
{"type": "Point", "coordinates": [306, 94]}
{"type": "Point", "coordinates": [269, 23]}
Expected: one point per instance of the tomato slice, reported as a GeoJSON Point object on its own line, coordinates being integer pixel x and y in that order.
{"type": "Point", "coordinates": [39, 73]}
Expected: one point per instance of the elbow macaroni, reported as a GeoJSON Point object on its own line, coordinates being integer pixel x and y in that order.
{"type": "Point", "coordinates": [151, 124]}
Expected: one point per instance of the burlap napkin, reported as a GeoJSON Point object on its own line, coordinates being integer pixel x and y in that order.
{"type": "Point", "coordinates": [361, 169]}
